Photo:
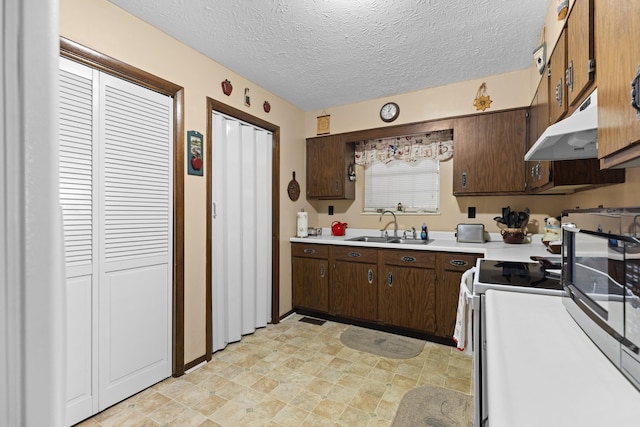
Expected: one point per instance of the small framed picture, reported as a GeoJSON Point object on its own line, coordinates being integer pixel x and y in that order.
{"type": "Point", "coordinates": [195, 153]}
{"type": "Point", "coordinates": [323, 124]}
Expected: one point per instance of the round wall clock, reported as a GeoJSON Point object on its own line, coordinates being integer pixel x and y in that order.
{"type": "Point", "coordinates": [389, 112]}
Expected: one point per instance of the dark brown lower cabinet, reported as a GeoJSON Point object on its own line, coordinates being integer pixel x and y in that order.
{"type": "Point", "coordinates": [354, 289]}
{"type": "Point", "coordinates": [310, 276]}
{"type": "Point", "coordinates": [451, 266]}
{"type": "Point", "coordinates": [407, 290]}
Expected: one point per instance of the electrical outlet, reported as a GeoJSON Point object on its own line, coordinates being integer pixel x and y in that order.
{"type": "Point", "coordinates": [471, 212]}
{"type": "Point", "coordinates": [330, 209]}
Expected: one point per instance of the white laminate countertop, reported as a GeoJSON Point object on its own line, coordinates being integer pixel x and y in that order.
{"type": "Point", "coordinates": [543, 370]}
{"type": "Point", "coordinates": [441, 241]}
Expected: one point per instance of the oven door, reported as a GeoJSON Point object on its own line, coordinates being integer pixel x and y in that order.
{"type": "Point", "coordinates": [630, 357]}
{"type": "Point", "coordinates": [593, 278]}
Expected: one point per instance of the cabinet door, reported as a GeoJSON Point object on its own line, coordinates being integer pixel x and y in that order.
{"type": "Point", "coordinates": [489, 156]}
{"type": "Point", "coordinates": [354, 289]}
{"type": "Point", "coordinates": [618, 62]}
{"type": "Point", "coordinates": [310, 282]}
{"type": "Point", "coordinates": [538, 173]}
{"type": "Point", "coordinates": [580, 60]}
{"type": "Point", "coordinates": [407, 290]}
{"type": "Point", "coordinates": [451, 267]}
{"type": "Point", "coordinates": [328, 159]}
{"type": "Point", "coordinates": [557, 86]}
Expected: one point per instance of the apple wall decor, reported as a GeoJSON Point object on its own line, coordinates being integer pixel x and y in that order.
{"type": "Point", "coordinates": [226, 87]}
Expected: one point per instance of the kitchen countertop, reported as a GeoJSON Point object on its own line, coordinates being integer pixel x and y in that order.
{"type": "Point", "coordinates": [543, 370]}
{"type": "Point", "coordinates": [441, 241]}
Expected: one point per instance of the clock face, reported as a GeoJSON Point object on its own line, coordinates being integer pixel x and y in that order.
{"type": "Point", "coordinates": [389, 112]}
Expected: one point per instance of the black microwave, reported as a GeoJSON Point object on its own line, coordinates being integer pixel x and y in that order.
{"type": "Point", "coordinates": [601, 277]}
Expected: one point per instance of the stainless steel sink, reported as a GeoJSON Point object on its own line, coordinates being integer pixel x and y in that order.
{"type": "Point", "coordinates": [397, 240]}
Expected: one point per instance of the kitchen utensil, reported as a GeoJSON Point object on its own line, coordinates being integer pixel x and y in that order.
{"type": "Point", "coordinates": [338, 228]}
{"type": "Point", "coordinates": [293, 188]}
{"type": "Point", "coordinates": [470, 233]}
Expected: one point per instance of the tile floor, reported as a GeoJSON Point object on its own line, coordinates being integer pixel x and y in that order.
{"type": "Point", "coordinates": [291, 374]}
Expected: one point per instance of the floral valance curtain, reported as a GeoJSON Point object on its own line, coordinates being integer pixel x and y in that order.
{"type": "Point", "coordinates": [433, 145]}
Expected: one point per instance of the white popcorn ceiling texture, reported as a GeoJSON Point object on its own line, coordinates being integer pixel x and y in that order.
{"type": "Point", "coordinates": [322, 53]}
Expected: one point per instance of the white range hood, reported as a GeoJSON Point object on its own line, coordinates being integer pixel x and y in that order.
{"type": "Point", "coordinates": [575, 137]}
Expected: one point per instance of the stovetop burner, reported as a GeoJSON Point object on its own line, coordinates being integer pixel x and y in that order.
{"type": "Point", "coordinates": [520, 274]}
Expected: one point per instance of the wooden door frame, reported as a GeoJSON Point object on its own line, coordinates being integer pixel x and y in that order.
{"type": "Point", "coordinates": [79, 53]}
{"type": "Point", "coordinates": [213, 105]}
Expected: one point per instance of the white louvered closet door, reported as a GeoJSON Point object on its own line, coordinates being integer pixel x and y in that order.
{"type": "Point", "coordinates": [78, 202]}
{"type": "Point", "coordinates": [116, 194]}
{"type": "Point", "coordinates": [136, 229]}
{"type": "Point", "coordinates": [241, 240]}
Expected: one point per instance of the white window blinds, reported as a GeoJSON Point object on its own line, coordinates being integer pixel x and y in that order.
{"type": "Point", "coordinates": [415, 185]}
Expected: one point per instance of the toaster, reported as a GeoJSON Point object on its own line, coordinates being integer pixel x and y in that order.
{"type": "Point", "coordinates": [470, 233]}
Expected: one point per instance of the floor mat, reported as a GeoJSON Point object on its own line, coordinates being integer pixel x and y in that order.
{"type": "Point", "coordinates": [433, 406]}
{"type": "Point", "coordinates": [381, 343]}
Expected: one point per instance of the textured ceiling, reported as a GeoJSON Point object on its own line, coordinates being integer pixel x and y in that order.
{"type": "Point", "coordinates": [321, 53]}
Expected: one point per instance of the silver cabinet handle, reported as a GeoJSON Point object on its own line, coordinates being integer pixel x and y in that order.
{"type": "Point", "coordinates": [322, 270]}
{"type": "Point", "coordinates": [464, 180]}
{"type": "Point", "coordinates": [309, 251]}
{"type": "Point", "coordinates": [370, 276]}
{"type": "Point", "coordinates": [355, 254]}
{"type": "Point", "coordinates": [390, 278]}
{"type": "Point", "coordinates": [215, 214]}
{"type": "Point", "coordinates": [568, 76]}
{"type": "Point", "coordinates": [337, 185]}
{"type": "Point", "coordinates": [458, 262]}
{"type": "Point", "coordinates": [408, 259]}
{"type": "Point", "coordinates": [559, 93]}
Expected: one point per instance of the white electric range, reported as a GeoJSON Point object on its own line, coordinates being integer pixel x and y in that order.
{"type": "Point", "coordinates": [519, 277]}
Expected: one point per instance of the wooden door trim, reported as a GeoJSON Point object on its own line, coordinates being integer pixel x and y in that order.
{"type": "Point", "coordinates": [79, 53]}
{"type": "Point", "coordinates": [213, 105]}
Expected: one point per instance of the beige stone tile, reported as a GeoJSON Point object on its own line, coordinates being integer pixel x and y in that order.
{"type": "Point", "coordinates": [229, 415]}
{"type": "Point", "coordinates": [329, 409]}
{"type": "Point", "coordinates": [314, 420]}
{"type": "Point", "coordinates": [409, 370]}
{"type": "Point", "coordinates": [339, 393]}
{"type": "Point", "coordinates": [231, 371]}
{"type": "Point", "coordinates": [386, 410]}
{"type": "Point", "coordinates": [151, 402]}
{"type": "Point", "coordinates": [359, 369]}
{"type": "Point", "coordinates": [393, 394]}
{"type": "Point", "coordinates": [210, 405]}
{"type": "Point", "coordinates": [319, 386]}
{"type": "Point", "coordinates": [388, 364]}
{"type": "Point", "coordinates": [374, 388]}
{"type": "Point", "coordinates": [435, 366]}
{"type": "Point", "coordinates": [456, 372]}
{"type": "Point", "coordinates": [306, 400]}
{"type": "Point", "coordinates": [353, 417]}
{"type": "Point", "coordinates": [192, 396]}
{"type": "Point", "coordinates": [188, 418]}
{"type": "Point", "coordinates": [168, 412]}
{"type": "Point", "coordinates": [265, 384]}
{"type": "Point", "coordinates": [364, 402]}
{"type": "Point", "coordinates": [286, 392]}
{"type": "Point", "coordinates": [145, 422]}
{"type": "Point", "coordinates": [210, 423]}
{"type": "Point", "coordinates": [125, 418]}
{"type": "Point", "coordinates": [231, 390]}
{"type": "Point", "coordinates": [404, 382]}
{"type": "Point", "coordinates": [312, 368]}
{"type": "Point", "coordinates": [269, 407]}
{"type": "Point", "coordinates": [293, 362]}
{"type": "Point", "coordinates": [351, 381]}
{"type": "Point", "coordinates": [290, 416]}
{"type": "Point", "coordinates": [247, 378]}
{"type": "Point", "coordinates": [380, 375]}
{"type": "Point", "coordinates": [432, 378]}
{"type": "Point", "coordinates": [340, 364]}
{"type": "Point", "coordinates": [197, 376]}
{"type": "Point", "coordinates": [457, 384]}
{"type": "Point", "coordinates": [330, 374]}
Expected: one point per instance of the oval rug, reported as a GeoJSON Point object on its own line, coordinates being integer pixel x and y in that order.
{"type": "Point", "coordinates": [432, 406]}
{"type": "Point", "coordinates": [381, 343]}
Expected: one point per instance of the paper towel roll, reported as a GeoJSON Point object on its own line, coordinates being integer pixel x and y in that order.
{"type": "Point", "coordinates": [302, 230]}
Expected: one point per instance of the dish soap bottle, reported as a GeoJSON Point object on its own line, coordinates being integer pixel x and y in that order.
{"type": "Point", "coordinates": [424, 234]}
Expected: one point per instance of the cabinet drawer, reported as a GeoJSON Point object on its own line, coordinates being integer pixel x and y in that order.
{"type": "Point", "coordinates": [355, 254]}
{"type": "Point", "coordinates": [309, 250]}
{"type": "Point", "coordinates": [423, 259]}
{"type": "Point", "coordinates": [458, 262]}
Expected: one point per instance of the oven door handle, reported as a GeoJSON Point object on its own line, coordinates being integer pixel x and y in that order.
{"type": "Point", "coordinates": [594, 314]}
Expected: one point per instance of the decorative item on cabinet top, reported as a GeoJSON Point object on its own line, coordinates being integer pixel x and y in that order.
{"type": "Point", "coordinates": [324, 122]}
{"type": "Point", "coordinates": [482, 101]}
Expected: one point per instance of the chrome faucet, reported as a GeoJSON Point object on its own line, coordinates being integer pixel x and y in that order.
{"type": "Point", "coordinates": [395, 223]}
